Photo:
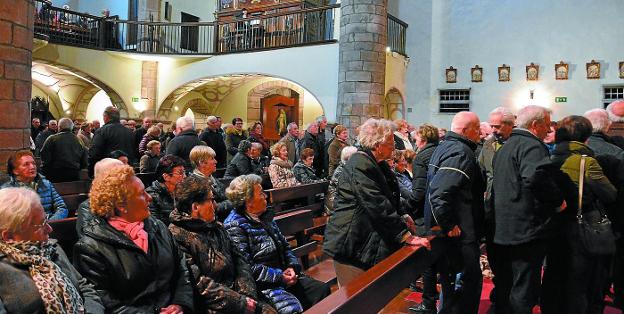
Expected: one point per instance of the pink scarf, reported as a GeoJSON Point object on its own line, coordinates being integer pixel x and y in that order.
{"type": "Point", "coordinates": [134, 231]}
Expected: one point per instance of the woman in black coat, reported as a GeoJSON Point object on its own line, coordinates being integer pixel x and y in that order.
{"type": "Point", "coordinates": [130, 257]}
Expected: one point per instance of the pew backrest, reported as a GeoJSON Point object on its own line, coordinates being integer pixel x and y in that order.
{"type": "Point", "coordinates": [73, 187]}
{"type": "Point", "coordinates": [64, 231]}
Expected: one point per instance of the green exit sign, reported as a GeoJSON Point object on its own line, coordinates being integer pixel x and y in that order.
{"type": "Point", "coordinates": [561, 99]}
{"type": "Point", "coordinates": [135, 99]}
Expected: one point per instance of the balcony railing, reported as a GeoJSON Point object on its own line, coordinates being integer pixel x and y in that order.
{"type": "Point", "coordinates": [280, 30]}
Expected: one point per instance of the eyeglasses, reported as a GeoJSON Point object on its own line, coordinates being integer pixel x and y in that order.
{"type": "Point", "coordinates": [44, 224]}
{"type": "Point", "coordinates": [178, 173]}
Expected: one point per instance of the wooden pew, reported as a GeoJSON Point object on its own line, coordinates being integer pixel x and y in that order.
{"type": "Point", "coordinates": [294, 223]}
{"type": "Point", "coordinates": [64, 231]}
{"type": "Point", "coordinates": [72, 202]}
{"type": "Point", "coordinates": [73, 187]}
{"type": "Point", "coordinates": [306, 194]}
{"type": "Point", "coordinates": [371, 291]}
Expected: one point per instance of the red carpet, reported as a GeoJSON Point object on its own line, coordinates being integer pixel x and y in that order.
{"type": "Point", "coordinates": [485, 299]}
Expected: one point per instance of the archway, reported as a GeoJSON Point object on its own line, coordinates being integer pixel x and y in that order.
{"type": "Point", "coordinates": [394, 107]}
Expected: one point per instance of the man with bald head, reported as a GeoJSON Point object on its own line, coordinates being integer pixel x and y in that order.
{"type": "Point", "coordinates": [454, 206]}
{"type": "Point", "coordinates": [525, 200]}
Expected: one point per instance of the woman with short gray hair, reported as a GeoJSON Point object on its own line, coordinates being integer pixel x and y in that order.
{"type": "Point", "coordinates": [204, 162]}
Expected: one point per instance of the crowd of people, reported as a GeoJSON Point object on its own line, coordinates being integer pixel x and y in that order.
{"type": "Point", "coordinates": [544, 198]}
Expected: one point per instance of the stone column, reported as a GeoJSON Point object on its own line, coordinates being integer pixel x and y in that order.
{"type": "Point", "coordinates": [149, 83]}
{"type": "Point", "coordinates": [16, 43]}
{"type": "Point", "coordinates": [362, 65]}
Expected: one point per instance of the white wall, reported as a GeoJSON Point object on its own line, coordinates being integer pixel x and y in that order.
{"type": "Point", "coordinates": [489, 33]}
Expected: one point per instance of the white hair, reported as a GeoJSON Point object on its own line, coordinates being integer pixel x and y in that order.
{"type": "Point", "coordinates": [291, 125]}
{"type": "Point", "coordinates": [211, 119]}
{"type": "Point", "coordinates": [507, 116]}
{"type": "Point", "coordinates": [185, 123]}
{"type": "Point", "coordinates": [104, 165]}
{"type": "Point", "coordinates": [531, 113]}
{"type": "Point", "coordinates": [613, 116]}
{"type": "Point", "coordinates": [65, 124]}
{"type": "Point", "coordinates": [52, 122]}
{"type": "Point", "coordinates": [347, 152]}
{"type": "Point", "coordinates": [599, 119]}
{"type": "Point", "coordinates": [256, 145]}
{"type": "Point", "coordinates": [16, 205]}
{"type": "Point", "coordinates": [310, 125]}
{"type": "Point", "coordinates": [374, 132]}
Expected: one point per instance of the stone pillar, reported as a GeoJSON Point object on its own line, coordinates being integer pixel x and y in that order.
{"type": "Point", "coordinates": [16, 43]}
{"type": "Point", "coordinates": [362, 65]}
{"type": "Point", "coordinates": [149, 83]}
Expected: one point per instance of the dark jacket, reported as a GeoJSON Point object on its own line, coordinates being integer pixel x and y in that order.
{"type": "Point", "coordinates": [181, 146]}
{"type": "Point", "coordinates": [162, 201]}
{"type": "Point", "coordinates": [292, 144]}
{"type": "Point", "coordinates": [304, 174]}
{"type": "Point", "coordinates": [63, 151]}
{"type": "Point", "coordinates": [365, 227]}
{"type": "Point", "coordinates": [138, 136]}
{"type": "Point", "coordinates": [455, 192]}
{"type": "Point", "coordinates": [148, 162]}
{"type": "Point", "coordinates": [332, 187]}
{"type": "Point", "coordinates": [232, 139]}
{"type": "Point", "coordinates": [484, 159]}
{"type": "Point", "coordinates": [127, 279]}
{"type": "Point", "coordinates": [52, 202]}
{"type": "Point", "coordinates": [420, 166]}
{"type": "Point", "coordinates": [601, 145]}
{"type": "Point", "coordinates": [112, 136]}
{"type": "Point", "coordinates": [312, 141]}
{"type": "Point", "coordinates": [218, 269]}
{"type": "Point", "coordinates": [18, 293]}
{"type": "Point", "coordinates": [214, 139]}
{"type": "Point", "coordinates": [524, 194]}
{"type": "Point", "coordinates": [240, 165]}
{"type": "Point", "coordinates": [224, 206]}
{"type": "Point", "coordinates": [42, 137]}
{"type": "Point", "coordinates": [333, 153]}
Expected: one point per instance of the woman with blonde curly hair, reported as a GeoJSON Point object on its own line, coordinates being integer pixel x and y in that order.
{"type": "Point", "coordinates": [129, 256]}
{"type": "Point", "coordinates": [280, 169]}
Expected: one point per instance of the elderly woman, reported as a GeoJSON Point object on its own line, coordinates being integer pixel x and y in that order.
{"type": "Point", "coordinates": [280, 169]}
{"type": "Point", "coordinates": [427, 138]}
{"type": "Point", "coordinates": [149, 160]}
{"type": "Point", "coordinates": [219, 271]}
{"type": "Point", "coordinates": [255, 136]}
{"type": "Point", "coordinates": [242, 163]}
{"type": "Point", "coordinates": [400, 171]}
{"type": "Point", "coordinates": [402, 140]}
{"type": "Point", "coordinates": [169, 172]}
{"type": "Point", "coordinates": [341, 134]}
{"type": "Point", "coordinates": [37, 276]}
{"type": "Point", "coordinates": [345, 154]}
{"type": "Point", "coordinates": [85, 134]}
{"type": "Point", "coordinates": [129, 256]}
{"type": "Point", "coordinates": [275, 268]}
{"type": "Point", "coordinates": [153, 134]}
{"type": "Point", "coordinates": [22, 172]}
{"type": "Point", "coordinates": [365, 227]}
{"type": "Point", "coordinates": [233, 137]}
{"type": "Point", "coordinates": [204, 162]}
{"type": "Point", "coordinates": [303, 170]}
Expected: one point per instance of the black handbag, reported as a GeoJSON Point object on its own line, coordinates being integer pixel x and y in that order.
{"type": "Point", "coordinates": [596, 237]}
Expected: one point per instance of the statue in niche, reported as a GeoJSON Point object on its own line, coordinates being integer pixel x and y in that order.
{"type": "Point", "coordinates": [281, 122]}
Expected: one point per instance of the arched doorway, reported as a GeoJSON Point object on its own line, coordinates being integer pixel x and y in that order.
{"type": "Point", "coordinates": [394, 107]}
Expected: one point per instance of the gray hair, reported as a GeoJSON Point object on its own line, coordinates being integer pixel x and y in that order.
{"type": "Point", "coordinates": [104, 165]}
{"type": "Point", "coordinates": [52, 122]}
{"type": "Point", "coordinates": [65, 124]}
{"type": "Point", "coordinates": [310, 125]}
{"type": "Point", "coordinates": [16, 205]}
{"type": "Point", "coordinates": [531, 113]}
{"type": "Point", "coordinates": [347, 152]}
{"type": "Point", "coordinates": [599, 119]}
{"type": "Point", "coordinates": [613, 116]}
{"type": "Point", "coordinates": [185, 123]}
{"type": "Point", "coordinates": [506, 114]}
{"type": "Point", "coordinates": [291, 125]}
{"type": "Point", "coordinates": [154, 130]}
{"type": "Point", "coordinates": [374, 131]}
{"type": "Point", "coordinates": [211, 119]}
{"type": "Point", "coordinates": [241, 189]}
{"type": "Point", "coordinates": [320, 119]}
{"type": "Point", "coordinates": [257, 145]}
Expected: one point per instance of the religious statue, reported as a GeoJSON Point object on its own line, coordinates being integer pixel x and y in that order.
{"type": "Point", "coordinates": [281, 122]}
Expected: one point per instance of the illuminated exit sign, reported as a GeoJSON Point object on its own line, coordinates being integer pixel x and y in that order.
{"type": "Point", "coordinates": [561, 99]}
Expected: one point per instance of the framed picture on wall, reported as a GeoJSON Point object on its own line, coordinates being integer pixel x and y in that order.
{"type": "Point", "coordinates": [561, 71]}
{"type": "Point", "coordinates": [621, 67]}
{"type": "Point", "coordinates": [593, 70]}
{"type": "Point", "coordinates": [476, 74]}
{"type": "Point", "coordinates": [532, 72]}
{"type": "Point", "coordinates": [504, 73]}
{"type": "Point", "coordinates": [451, 75]}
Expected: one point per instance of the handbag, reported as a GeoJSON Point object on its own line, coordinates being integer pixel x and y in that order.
{"type": "Point", "coordinates": [596, 237]}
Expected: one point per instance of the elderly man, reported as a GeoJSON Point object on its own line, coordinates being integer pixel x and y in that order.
{"type": "Point", "coordinates": [213, 138]}
{"type": "Point", "coordinates": [70, 147]}
{"type": "Point", "coordinates": [35, 128]}
{"type": "Point", "coordinates": [243, 162]}
{"type": "Point", "coordinates": [43, 135]}
{"type": "Point", "coordinates": [184, 141]}
{"type": "Point", "coordinates": [292, 142]}
{"type": "Point", "coordinates": [525, 198]}
{"type": "Point", "coordinates": [311, 140]}
{"type": "Point", "coordinates": [139, 133]}
{"type": "Point", "coordinates": [95, 125]}
{"type": "Point", "coordinates": [454, 205]}
{"type": "Point", "coordinates": [111, 137]}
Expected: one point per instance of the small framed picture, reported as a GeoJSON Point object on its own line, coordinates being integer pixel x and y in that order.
{"type": "Point", "coordinates": [504, 72]}
{"type": "Point", "coordinates": [476, 74]}
{"type": "Point", "coordinates": [451, 75]}
{"type": "Point", "coordinates": [621, 67]}
{"type": "Point", "coordinates": [593, 70]}
{"type": "Point", "coordinates": [532, 72]}
{"type": "Point", "coordinates": [561, 71]}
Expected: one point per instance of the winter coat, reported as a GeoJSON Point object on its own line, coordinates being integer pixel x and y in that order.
{"type": "Point", "coordinates": [259, 138]}
{"type": "Point", "coordinates": [214, 139]}
{"type": "Point", "coordinates": [312, 141]}
{"type": "Point", "coordinates": [420, 166]}
{"type": "Point", "coordinates": [240, 165]}
{"type": "Point", "coordinates": [224, 206]}
{"type": "Point", "coordinates": [111, 137]}
{"type": "Point", "coordinates": [217, 267]}
{"type": "Point", "coordinates": [63, 150]}
{"type": "Point", "coordinates": [143, 143]}
{"type": "Point", "coordinates": [524, 194]}
{"type": "Point", "coordinates": [85, 138]}
{"type": "Point", "coordinates": [18, 293]}
{"type": "Point", "coordinates": [600, 144]}
{"type": "Point", "coordinates": [331, 188]}
{"type": "Point", "coordinates": [484, 160]}
{"type": "Point", "coordinates": [127, 279]}
{"type": "Point", "coordinates": [402, 143]}
{"type": "Point", "coordinates": [264, 248]}
{"type": "Point", "coordinates": [232, 139]}
{"type": "Point", "coordinates": [292, 145]}
{"type": "Point", "coordinates": [42, 137]}
{"type": "Point", "coordinates": [304, 174]}
{"type": "Point", "coordinates": [181, 146]}
{"type": "Point", "coordinates": [364, 227]}
{"type": "Point", "coordinates": [148, 162]}
{"type": "Point", "coordinates": [281, 173]}
{"type": "Point", "coordinates": [162, 201]}
{"type": "Point", "coordinates": [333, 152]}
{"type": "Point", "coordinates": [52, 202]}
{"type": "Point", "coordinates": [138, 135]}
{"type": "Point", "coordinates": [455, 193]}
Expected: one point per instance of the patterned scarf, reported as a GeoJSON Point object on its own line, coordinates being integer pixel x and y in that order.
{"type": "Point", "coordinates": [58, 293]}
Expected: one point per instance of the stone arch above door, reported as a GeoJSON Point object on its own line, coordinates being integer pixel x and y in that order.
{"type": "Point", "coordinates": [278, 87]}
{"type": "Point", "coordinates": [394, 106]}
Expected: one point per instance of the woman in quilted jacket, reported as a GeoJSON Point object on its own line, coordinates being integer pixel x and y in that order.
{"type": "Point", "coordinates": [275, 268]}
{"type": "Point", "coordinates": [280, 169]}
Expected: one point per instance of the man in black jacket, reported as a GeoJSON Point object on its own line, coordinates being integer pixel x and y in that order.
{"type": "Point", "coordinates": [213, 138]}
{"type": "Point", "coordinates": [138, 135]}
{"type": "Point", "coordinates": [310, 140]}
{"type": "Point", "coordinates": [43, 135]}
{"type": "Point", "coordinates": [454, 204]}
{"type": "Point", "coordinates": [62, 154]}
{"type": "Point", "coordinates": [525, 198]}
{"type": "Point", "coordinates": [184, 140]}
{"type": "Point", "coordinates": [110, 137]}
